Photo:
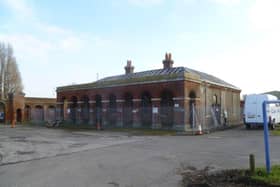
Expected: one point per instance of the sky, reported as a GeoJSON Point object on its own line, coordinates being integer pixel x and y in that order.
{"type": "Point", "coordinates": [58, 43]}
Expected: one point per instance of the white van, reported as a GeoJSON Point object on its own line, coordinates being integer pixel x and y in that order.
{"type": "Point", "coordinates": [253, 114]}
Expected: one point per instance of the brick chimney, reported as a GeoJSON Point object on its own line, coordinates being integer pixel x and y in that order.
{"type": "Point", "coordinates": [128, 68]}
{"type": "Point", "coordinates": [167, 62]}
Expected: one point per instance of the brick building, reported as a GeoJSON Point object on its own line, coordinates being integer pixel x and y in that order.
{"type": "Point", "coordinates": [27, 109]}
{"type": "Point", "coordinates": [172, 97]}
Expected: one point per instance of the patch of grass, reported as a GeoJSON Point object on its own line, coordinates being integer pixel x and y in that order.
{"type": "Point", "coordinates": [273, 178]}
{"type": "Point", "coordinates": [192, 176]}
{"type": "Point", "coordinates": [276, 132]}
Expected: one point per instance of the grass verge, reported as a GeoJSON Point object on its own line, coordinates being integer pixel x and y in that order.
{"type": "Point", "coordinates": [273, 178]}
{"type": "Point", "coordinates": [192, 176]}
{"type": "Point", "coordinates": [276, 132]}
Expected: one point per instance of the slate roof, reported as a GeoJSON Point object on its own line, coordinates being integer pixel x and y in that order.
{"type": "Point", "coordinates": [158, 75]}
{"type": "Point", "coordinates": [211, 79]}
{"type": "Point", "coordinates": [176, 70]}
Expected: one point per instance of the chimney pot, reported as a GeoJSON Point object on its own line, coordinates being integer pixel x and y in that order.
{"type": "Point", "coordinates": [167, 62]}
{"type": "Point", "coordinates": [128, 68]}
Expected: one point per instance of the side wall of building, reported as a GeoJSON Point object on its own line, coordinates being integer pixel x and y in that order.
{"type": "Point", "coordinates": [218, 103]}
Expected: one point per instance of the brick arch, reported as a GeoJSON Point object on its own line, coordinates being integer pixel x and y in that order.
{"type": "Point", "coordinates": [19, 116]}
{"type": "Point", "coordinates": [73, 106]}
{"type": "Point", "coordinates": [63, 104]}
{"type": "Point", "coordinates": [50, 113]}
{"type": "Point", "coordinates": [167, 108]}
{"type": "Point", "coordinates": [112, 109]}
{"type": "Point", "coordinates": [38, 114]}
{"type": "Point", "coordinates": [127, 109]}
{"type": "Point", "coordinates": [61, 99]}
{"type": "Point", "coordinates": [146, 109]}
{"type": "Point", "coordinates": [85, 107]}
{"type": "Point", "coordinates": [98, 109]}
{"type": "Point", "coordinates": [192, 94]}
{"type": "Point", "coordinates": [192, 107]}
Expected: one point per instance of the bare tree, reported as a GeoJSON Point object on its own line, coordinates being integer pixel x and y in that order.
{"type": "Point", "coordinates": [10, 78]}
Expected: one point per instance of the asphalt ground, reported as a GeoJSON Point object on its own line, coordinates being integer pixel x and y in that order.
{"type": "Point", "coordinates": [38, 156]}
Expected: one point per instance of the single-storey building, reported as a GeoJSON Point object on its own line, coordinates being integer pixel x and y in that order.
{"type": "Point", "coordinates": [27, 109]}
{"type": "Point", "coordinates": [168, 98]}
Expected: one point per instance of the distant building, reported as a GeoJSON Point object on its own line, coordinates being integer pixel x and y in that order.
{"type": "Point", "coordinates": [169, 98]}
{"type": "Point", "coordinates": [27, 109]}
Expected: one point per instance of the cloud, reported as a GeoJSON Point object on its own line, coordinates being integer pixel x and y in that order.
{"type": "Point", "coordinates": [264, 15]}
{"type": "Point", "coordinates": [71, 43]}
{"type": "Point", "coordinates": [251, 65]}
{"type": "Point", "coordinates": [226, 2]}
{"type": "Point", "coordinates": [29, 47]}
{"type": "Point", "coordinates": [145, 2]}
{"type": "Point", "coordinates": [19, 8]}
{"type": "Point", "coordinates": [52, 29]}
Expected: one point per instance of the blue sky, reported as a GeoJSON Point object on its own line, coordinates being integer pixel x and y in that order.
{"type": "Point", "coordinates": [64, 42]}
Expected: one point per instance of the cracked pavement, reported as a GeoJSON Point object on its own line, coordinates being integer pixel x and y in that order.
{"type": "Point", "coordinates": [38, 156]}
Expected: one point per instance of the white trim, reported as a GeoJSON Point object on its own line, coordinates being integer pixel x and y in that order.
{"type": "Point", "coordinates": [119, 100]}
{"type": "Point", "coordinates": [91, 102]}
{"type": "Point", "coordinates": [105, 101]}
{"type": "Point", "coordinates": [80, 102]}
{"type": "Point", "coordinates": [136, 100]}
{"type": "Point", "coordinates": [155, 99]}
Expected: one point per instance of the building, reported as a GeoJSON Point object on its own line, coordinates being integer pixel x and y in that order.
{"type": "Point", "coordinates": [169, 98]}
{"type": "Point", "coordinates": [27, 109]}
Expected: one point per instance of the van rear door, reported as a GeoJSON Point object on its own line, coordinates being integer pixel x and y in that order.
{"type": "Point", "coordinates": [251, 109]}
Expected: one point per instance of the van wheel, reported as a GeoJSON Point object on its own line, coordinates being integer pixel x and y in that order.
{"type": "Point", "coordinates": [248, 126]}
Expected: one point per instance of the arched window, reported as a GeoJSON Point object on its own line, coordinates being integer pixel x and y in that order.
{"type": "Point", "coordinates": [112, 111]}
{"type": "Point", "coordinates": [50, 113]}
{"type": "Point", "coordinates": [167, 109]}
{"type": "Point", "coordinates": [63, 108]}
{"type": "Point", "coordinates": [98, 111]}
{"type": "Point", "coordinates": [19, 115]}
{"type": "Point", "coordinates": [192, 108]}
{"type": "Point", "coordinates": [127, 110]}
{"type": "Point", "coordinates": [73, 109]}
{"type": "Point", "coordinates": [146, 110]}
{"type": "Point", "coordinates": [38, 113]}
{"type": "Point", "coordinates": [85, 109]}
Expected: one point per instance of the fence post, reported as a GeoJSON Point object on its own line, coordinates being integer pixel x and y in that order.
{"type": "Point", "coordinates": [252, 163]}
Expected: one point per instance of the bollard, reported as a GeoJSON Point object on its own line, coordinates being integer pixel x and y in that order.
{"type": "Point", "coordinates": [252, 163]}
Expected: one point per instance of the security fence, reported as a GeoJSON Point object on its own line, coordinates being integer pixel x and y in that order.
{"type": "Point", "coordinates": [166, 117]}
